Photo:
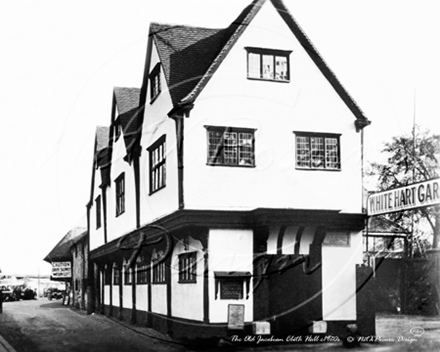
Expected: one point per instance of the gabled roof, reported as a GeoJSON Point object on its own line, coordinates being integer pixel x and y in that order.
{"type": "Point", "coordinates": [126, 98]}
{"type": "Point", "coordinates": [102, 134]}
{"type": "Point", "coordinates": [190, 56]}
{"type": "Point", "coordinates": [130, 114]}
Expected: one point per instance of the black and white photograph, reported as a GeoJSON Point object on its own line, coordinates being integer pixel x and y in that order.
{"type": "Point", "coordinates": [220, 175]}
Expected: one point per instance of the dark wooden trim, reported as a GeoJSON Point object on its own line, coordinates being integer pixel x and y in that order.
{"type": "Point", "coordinates": [104, 212]}
{"type": "Point", "coordinates": [137, 190]}
{"type": "Point", "coordinates": [180, 164]}
{"type": "Point", "coordinates": [181, 219]}
{"type": "Point", "coordinates": [110, 291]}
{"type": "Point", "coordinates": [133, 295]}
{"type": "Point", "coordinates": [280, 239]}
{"type": "Point", "coordinates": [121, 292]}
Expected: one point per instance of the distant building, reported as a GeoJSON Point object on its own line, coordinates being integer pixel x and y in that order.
{"type": "Point", "coordinates": [229, 197]}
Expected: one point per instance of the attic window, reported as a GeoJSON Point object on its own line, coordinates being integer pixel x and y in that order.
{"type": "Point", "coordinates": [268, 64]}
{"type": "Point", "coordinates": [155, 83]}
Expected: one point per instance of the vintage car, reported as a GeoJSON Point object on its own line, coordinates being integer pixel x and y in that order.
{"type": "Point", "coordinates": [7, 294]}
{"type": "Point", "coordinates": [54, 293]}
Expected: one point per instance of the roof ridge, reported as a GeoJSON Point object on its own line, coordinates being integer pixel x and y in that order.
{"type": "Point", "coordinates": [254, 7]}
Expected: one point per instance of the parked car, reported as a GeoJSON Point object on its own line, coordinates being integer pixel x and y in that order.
{"type": "Point", "coordinates": [54, 293]}
{"type": "Point", "coordinates": [7, 294]}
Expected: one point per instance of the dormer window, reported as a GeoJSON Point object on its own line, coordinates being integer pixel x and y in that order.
{"type": "Point", "coordinates": [155, 83]}
{"type": "Point", "coordinates": [268, 64]}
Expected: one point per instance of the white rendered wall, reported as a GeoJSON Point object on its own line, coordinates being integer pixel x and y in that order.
{"type": "Point", "coordinates": [96, 235]}
{"type": "Point", "coordinates": [229, 250]}
{"type": "Point", "coordinates": [156, 124]}
{"type": "Point", "coordinates": [125, 222]}
{"type": "Point", "coordinates": [339, 279]}
{"type": "Point", "coordinates": [307, 103]}
{"type": "Point", "coordinates": [127, 301]}
{"type": "Point", "coordinates": [115, 295]}
{"type": "Point", "coordinates": [187, 298]}
{"type": "Point", "coordinates": [107, 294]}
{"type": "Point", "coordinates": [159, 298]}
{"type": "Point", "coordinates": [142, 297]}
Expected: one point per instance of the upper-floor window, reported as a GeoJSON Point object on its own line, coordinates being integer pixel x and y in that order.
{"type": "Point", "coordinates": [120, 194]}
{"type": "Point", "coordinates": [155, 82]}
{"type": "Point", "coordinates": [98, 211]}
{"type": "Point", "coordinates": [317, 151]}
{"type": "Point", "coordinates": [187, 267]}
{"type": "Point", "coordinates": [268, 64]}
{"type": "Point", "coordinates": [230, 146]}
{"type": "Point", "coordinates": [157, 164]}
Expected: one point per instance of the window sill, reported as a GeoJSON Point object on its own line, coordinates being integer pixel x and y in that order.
{"type": "Point", "coordinates": [232, 165]}
{"type": "Point", "coordinates": [312, 169]}
{"type": "Point", "coordinates": [156, 190]}
{"type": "Point", "coordinates": [268, 80]}
{"type": "Point", "coordinates": [187, 282]}
{"type": "Point", "coordinates": [159, 283]}
{"type": "Point", "coordinates": [119, 214]}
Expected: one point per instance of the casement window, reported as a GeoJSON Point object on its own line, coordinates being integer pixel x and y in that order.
{"type": "Point", "coordinates": [188, 267]}
{"type": "Point", "coordinates": [230, 146]}
{"type": "Point", "coordinates": [155, 87]}
{"type": "Point", "coordinates": [127, 275]}
{"type": "Point", "coordinates": [268, 64]}
{"type": "Point", "coordinates": [157, 164]}
{"type": "Point", "coordinates": [120, 194]}
{"type": "Point", "coordinates": [318, 151]}
{"type": "Point", "coordinates": [116, 275]}
{"type": "Point", "coordinates": [159, 273]}
{"type": "Point", "coordinates": [231, 285]}
{"type": "Point", "coordinates": [98, 211]}
{"type": "Point", "coordinates": [142, 273]}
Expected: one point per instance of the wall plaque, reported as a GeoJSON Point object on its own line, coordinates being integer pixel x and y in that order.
{"type": "Point", "coordinates": [236, 316]}
{"type": "Point", "coordinates": [337, 239]}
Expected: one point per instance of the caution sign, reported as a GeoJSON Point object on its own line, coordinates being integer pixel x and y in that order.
{"type": "Point", "coordinates": [61, 270]}
{"type": "Point", "coordinates": [404, 198]}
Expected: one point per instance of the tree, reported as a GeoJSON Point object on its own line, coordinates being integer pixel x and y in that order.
{"type": "Point", "coordinates": [411, 159]}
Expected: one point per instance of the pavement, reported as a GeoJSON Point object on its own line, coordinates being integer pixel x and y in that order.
{"type": "Point", "coordinates": [35, 326]}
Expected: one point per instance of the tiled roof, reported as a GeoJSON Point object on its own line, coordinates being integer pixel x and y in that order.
{"type": "Point", "coordinates": [130, 114]}
{"type": "Point", "coordinates": [102, 135]}
{"type": "Point", "coordinates": [61, 252]}
{"type": "Point", "coordinates": [190, 55]}
{"type": "Point", "coordinates": [185, 53]}
{"type": "Point", "coordinates": [126, 98]}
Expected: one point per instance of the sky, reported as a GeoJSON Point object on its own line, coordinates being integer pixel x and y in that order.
{"type": "Point", "coordinates": [59, 62]}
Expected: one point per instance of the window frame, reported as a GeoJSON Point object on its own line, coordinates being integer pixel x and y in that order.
{"type": "Point", "coordinates": [213, 160]}
{"type": "Point", "coordinates": [187, 263]}
{"type": "Point", "coordinates": [159, 273]}
{"type": "Point", "coordinates": [155, 83]}
{"type": "Point", "coordinates": [116, 275]}
{"type": "Point", "coordinates": [127, 275]}
{"type": "Point", "coordinates": [157, 171]}
{"type": "Point", "coordinates": [325, 162]}
{"type": "Point", "coordinates": [268, 52]}
{"type": "Point", "coordinates": [120, 194]}
{"type": "Point", "coordinates": [98, 212]}
{"type": "Point", "coordinates": [143, 273]}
